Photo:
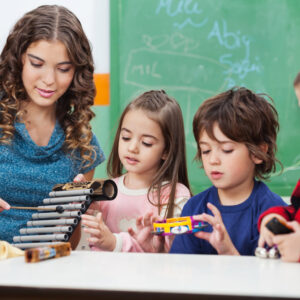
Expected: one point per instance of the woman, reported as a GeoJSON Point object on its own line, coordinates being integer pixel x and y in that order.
{"type": "Point", "coordinates": [46, 92]}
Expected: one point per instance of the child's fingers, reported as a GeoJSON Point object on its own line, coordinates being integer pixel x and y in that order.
{"type": "Point", "coordinates": [203, 235]}
{"type": "Point", "coordinates": [148, 219]}
{"type": "Point", "coordinates": [295, 225]}
{"type": "Point", "coordinates": [86, 217]}
{"type": "Point", "coordinates": [139, 222]}
{"type": "Point", "coordinates": [261, 241]}
{"type": "Point", "coordinates": [220, 232]}
{"type": "Point", "coordinates": [215, 211]}
{"type": "Point", "coordinates": [131, 232]}
{"type": "Point", "coordinates": [93, 240]}
{"type": "Point", "coordinates": [92, 231]}
{"type": "Point", "coordinates": [279, 238]}
{"type": "Point", "coordinates": [99, 217]}
{"type": "Point", "coordinates": [90, 224]}
{"type": "Point", "coordinates": [206, 218]}
{"type": "Point", "coordinates": [198, 217]}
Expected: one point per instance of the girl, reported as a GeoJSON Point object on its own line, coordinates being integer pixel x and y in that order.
{"type": "Point", "coordinates": [150, 147]}
{"type": "Point", "coordinates": [46, 92]}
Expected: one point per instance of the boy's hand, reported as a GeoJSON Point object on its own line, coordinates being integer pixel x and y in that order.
{"type": "Point", "coordinates": [266, 236]}
{"type": "Point", "coordinates": [4, 205]}
{"type": "Point", "coordinates": [219, 237]}
{"type": "Point", "coordinates": [289, 244]}
{"type": "Point", "coordinates": [100, 235]}
{"type": "Point", "coordinates": [143, 235]}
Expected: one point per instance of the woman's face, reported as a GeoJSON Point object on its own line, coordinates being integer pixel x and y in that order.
{"type": "Point", "coordinates": [47, 72]}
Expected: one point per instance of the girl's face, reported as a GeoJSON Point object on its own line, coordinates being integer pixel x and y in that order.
{"type": "Point", "coordinates": [47, 72]}
{"type": "Point", "coordinates": [141, 144]}
{"type": "Point", "coordinates": [228, 164]}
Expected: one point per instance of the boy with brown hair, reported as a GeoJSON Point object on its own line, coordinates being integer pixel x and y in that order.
{"type": "Point", "coordinates": [235, 133]}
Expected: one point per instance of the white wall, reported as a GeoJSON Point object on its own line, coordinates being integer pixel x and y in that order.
{"type": "Point", "coordinates": [93, 14]}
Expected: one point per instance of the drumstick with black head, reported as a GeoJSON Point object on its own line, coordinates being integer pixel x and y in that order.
{"type": "Point", "coordinates": [57, 208]}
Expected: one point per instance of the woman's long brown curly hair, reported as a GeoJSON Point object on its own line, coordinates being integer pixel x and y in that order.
{"type": "Point", "coordinates": [73, 109]}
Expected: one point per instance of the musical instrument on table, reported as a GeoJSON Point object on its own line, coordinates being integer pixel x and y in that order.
{"type": "Point", "coordinates": [57, 219]}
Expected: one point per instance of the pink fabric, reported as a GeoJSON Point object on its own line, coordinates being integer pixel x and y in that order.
{"type": "Point", "coordinates": [121, 213]}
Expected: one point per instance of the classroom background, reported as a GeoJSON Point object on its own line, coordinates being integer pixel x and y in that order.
{"type": "Point", "coordinates": [193, 49]}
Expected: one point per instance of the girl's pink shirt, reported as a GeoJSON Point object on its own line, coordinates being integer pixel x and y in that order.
{"type": "Point", "coordinates": [121, 213]}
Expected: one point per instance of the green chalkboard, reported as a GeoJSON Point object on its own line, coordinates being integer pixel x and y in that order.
{"type": "Point", "coordinates": [197, 48]}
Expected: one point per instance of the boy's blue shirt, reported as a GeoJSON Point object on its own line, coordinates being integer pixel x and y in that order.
{"type": "Point", "coordinates": [28, 173]}
{"type": "Point", "coordinates": [240, 220]}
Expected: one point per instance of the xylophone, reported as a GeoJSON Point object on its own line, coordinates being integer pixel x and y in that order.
{"type": "Point", "coordinates": [57, 219]}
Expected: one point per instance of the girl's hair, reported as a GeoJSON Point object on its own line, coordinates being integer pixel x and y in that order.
{"type": "Point", "coordinates": [244, 117]}
{"type": "Point", "coordinates": [166, 112]}
{"type": "Point", "coordinates": [73, 110]}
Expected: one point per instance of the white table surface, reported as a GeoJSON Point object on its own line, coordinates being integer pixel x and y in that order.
{"type": "Point", "coordinates": [159, 273]}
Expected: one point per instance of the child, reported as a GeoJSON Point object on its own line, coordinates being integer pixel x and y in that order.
{"type": "Point", "coordinates": [235, 133]}
{"type": "Point", "coordinates": [150, 146]}
{"type": "Point", "coordinates": [288, 244]}
{"type": "Point", "coordinates": [46, 94]}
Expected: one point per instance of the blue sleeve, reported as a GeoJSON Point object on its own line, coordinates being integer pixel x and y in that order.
{"type": "Point", "coordinates": [98, 156]}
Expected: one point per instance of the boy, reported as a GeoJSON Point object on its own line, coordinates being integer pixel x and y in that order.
{"type": "Point", "coordinates": [236, 134]}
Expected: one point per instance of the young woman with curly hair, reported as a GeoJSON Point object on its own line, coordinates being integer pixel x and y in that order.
{"type": "Point", "coordinates": [46, 94]}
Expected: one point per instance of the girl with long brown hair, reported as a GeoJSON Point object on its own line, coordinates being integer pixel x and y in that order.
{"type": "Point", "coordinates": [148, 163]}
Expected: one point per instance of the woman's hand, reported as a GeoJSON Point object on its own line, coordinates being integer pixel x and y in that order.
{"type": "Point", "coordinates": [4, 205]}
{"type": "Point", "coordinates": [79, 178]}
{"type": "Point", "coordinates": [100, 235]}
{"type": "Point", "coordinates": [219, 237]}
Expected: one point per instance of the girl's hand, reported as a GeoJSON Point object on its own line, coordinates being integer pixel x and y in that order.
{"type": "Point", "coordinates": [219, 237]}
{"type": "Point", "coordinates": [266, 236]}
{"type": "Point", "coordinates": [100, 235]}
{"type": "Point", "coordinates": [143, 235]}
{"type": "Point", "coordinates": [4, 205]}
{"type": "Point", "coordinates": [289, 244]}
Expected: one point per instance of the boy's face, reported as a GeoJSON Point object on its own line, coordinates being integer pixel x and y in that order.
{"type": "Point", "coordinates": [227, 163]}
{"type": "Point", "coordinates": [297, 92]}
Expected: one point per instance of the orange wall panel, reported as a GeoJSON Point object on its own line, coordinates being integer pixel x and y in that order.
{"type": "Point", "coordinates": [102, 89]}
